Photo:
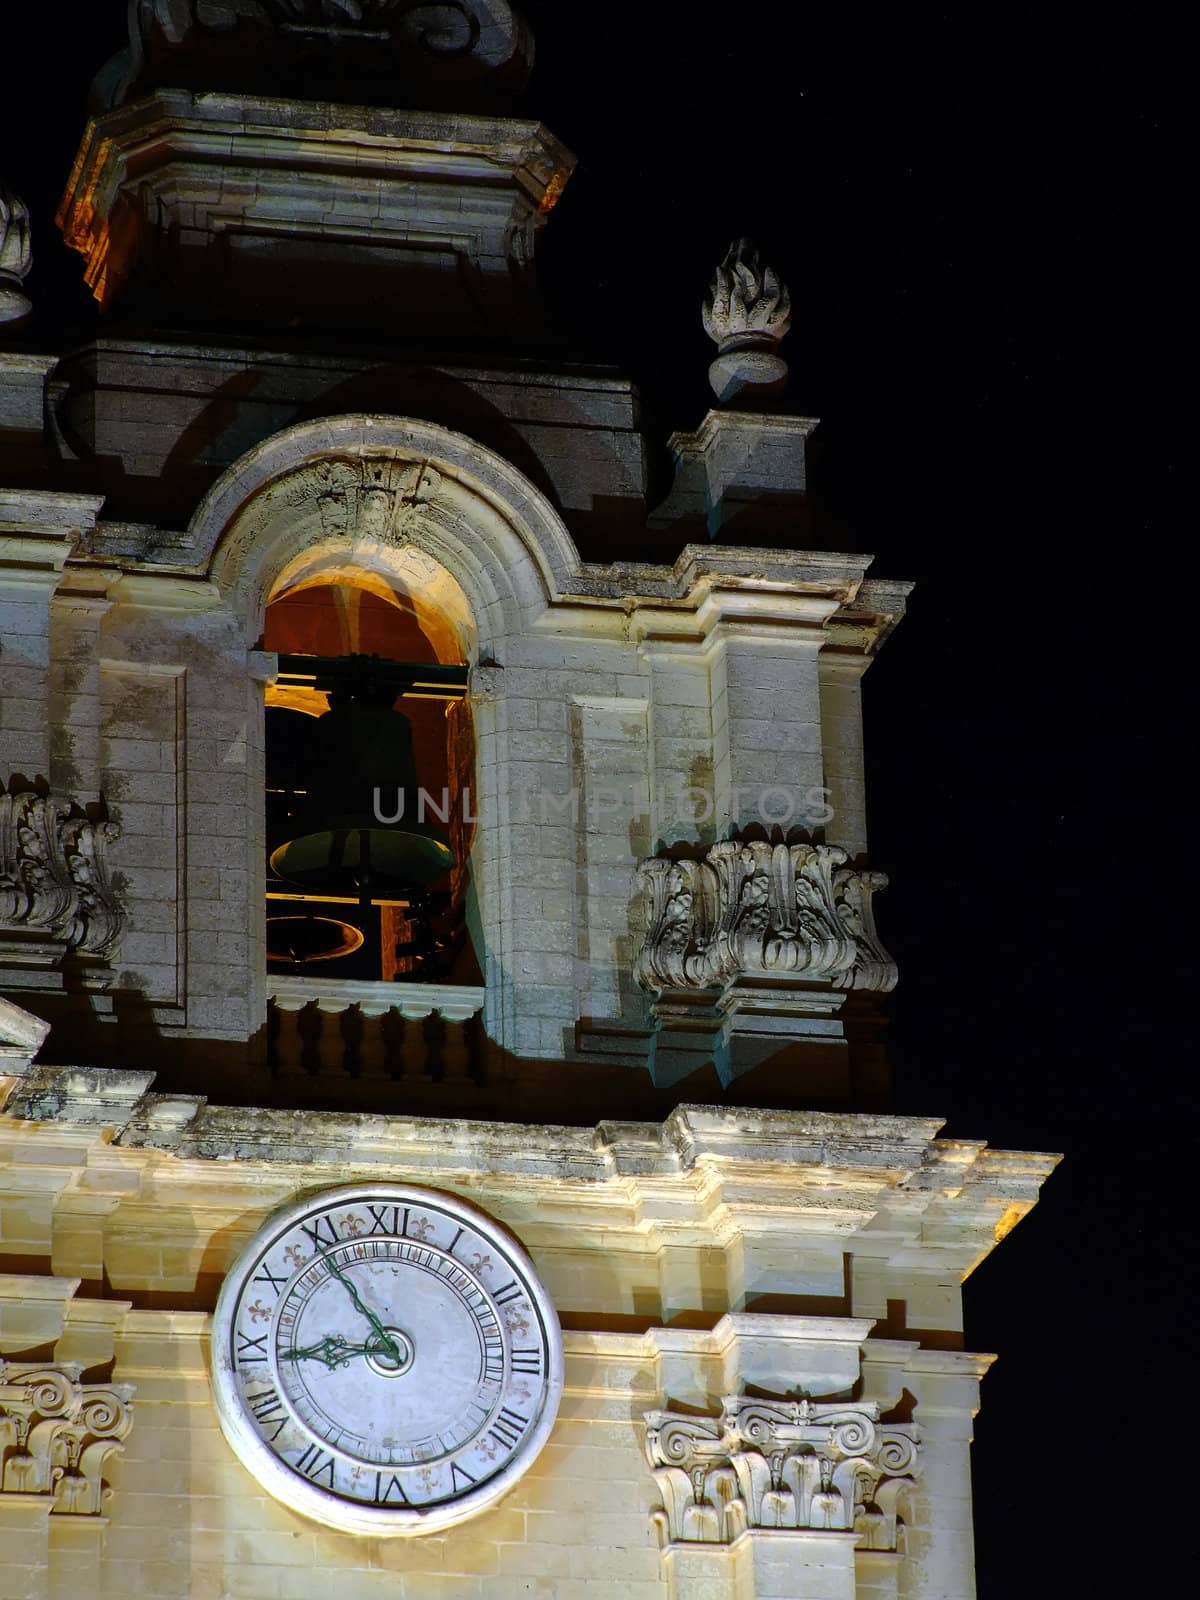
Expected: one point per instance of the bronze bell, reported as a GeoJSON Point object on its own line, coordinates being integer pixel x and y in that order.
{"type": "Point", "coordinates": [361, 745]}
{"type": "Point", "coordinates": [303, 939]}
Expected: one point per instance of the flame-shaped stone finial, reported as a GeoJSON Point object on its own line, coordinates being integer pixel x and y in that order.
{"type": "Point", "coordinates": [16, 256]}
{"type": "Point", "coordinates": [748, 311]}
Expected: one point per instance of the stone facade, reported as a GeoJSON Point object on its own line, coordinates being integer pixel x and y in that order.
{"type": "Point", "coordinates": [667, 889]}
{"type": "Point", "coordinates": [713, 1255]}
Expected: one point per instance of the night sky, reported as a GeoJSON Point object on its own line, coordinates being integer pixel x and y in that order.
{"type": "Point", "coordinates": [982, 223]}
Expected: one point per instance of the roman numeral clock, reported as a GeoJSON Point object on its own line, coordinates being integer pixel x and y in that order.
{"type": "Point", "coordinates": [385, 1359]}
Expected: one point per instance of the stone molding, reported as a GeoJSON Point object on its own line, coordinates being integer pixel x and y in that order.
{"type": "Point", "coordinates": [58, 1436]}
{"type": "Point", "coordinates": [414, 1001]}
{"type": "Point", "coordinates": [162, 184]}
{"type": "Point", "coordinates": [890, 1179]}
{"type": "Point", "coordinates": [54, 880]}
{"type": "Point", "coordinates": [779, 1464]}
{"type": "Point", "coordinates": [753, 910]}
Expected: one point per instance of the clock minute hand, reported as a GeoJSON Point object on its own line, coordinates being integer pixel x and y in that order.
{"type": "Point", "coordinates": [387, 1345]}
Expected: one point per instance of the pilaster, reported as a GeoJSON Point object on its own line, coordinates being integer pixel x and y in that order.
{"type": "Point", "coordinates": [38, 532]}
{"type": "Point", "coordinates": [940, 1543]}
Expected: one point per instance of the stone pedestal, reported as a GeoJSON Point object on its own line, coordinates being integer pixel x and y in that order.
{"type": "Point", "coordinates": [419, 224]}
{"type": "Point", "coordinates": [739, 473]}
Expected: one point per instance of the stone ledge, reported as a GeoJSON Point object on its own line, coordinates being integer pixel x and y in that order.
{"type": "Point", "coordinates": [898, 1148]}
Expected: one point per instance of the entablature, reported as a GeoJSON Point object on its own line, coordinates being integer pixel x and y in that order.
{"type": "Point", "coordinates": [141, 1188]}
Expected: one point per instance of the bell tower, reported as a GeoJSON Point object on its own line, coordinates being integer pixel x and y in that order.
{"type": "Point", "coordinates": [442, 1019]}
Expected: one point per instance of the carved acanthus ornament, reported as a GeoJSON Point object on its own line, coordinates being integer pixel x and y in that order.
{"type": "Point", "coordinates": [780, 1464]}
{"type": "Point", "coordinates": [58, 1436]}
{"type": "Point", "coordinates": [758, 910]}
{"type": "Point", "coordinates": [54, 880]}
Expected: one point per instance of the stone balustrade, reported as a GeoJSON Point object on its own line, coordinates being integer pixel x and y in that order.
{"type": "Point", "coordinates": [352, 1028]}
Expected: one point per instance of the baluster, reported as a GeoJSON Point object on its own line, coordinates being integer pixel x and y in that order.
{"type": "Point", "coordinates": [392, 1029]}
{"type": "Point", "coordinates": [331, 1047]}
{"type": "Point", "coordinates": [456, 1065]}
{"type": "Point", "coordinates": [286, 1046]}
{"type": "Point", "coordinates": [372, 1043]}
{"type": "Point", "coordinates": [415, 1051]}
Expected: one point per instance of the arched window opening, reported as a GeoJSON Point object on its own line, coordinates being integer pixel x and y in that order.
{"type": "Point", "coordinates": [369, 761]}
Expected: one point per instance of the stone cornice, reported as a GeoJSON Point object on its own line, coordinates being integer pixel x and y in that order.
{"type": "Point", "coordinates": [706, 1176]}
{"type": "Point", "coordinates": [691, 1136]}
{"type": "Point", "coordinates": [47, 511]}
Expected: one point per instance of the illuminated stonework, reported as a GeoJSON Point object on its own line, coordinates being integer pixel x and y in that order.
{"type": "Point", "coordinates": [748, 313]}
{"type": "Point", "coordinates": [752, 910]}
{"type": "Point", "coordinates": [58, 1437]}
{"type": "Point", "coordinates": [332, 417]}
{"type": "Point", "coordinates": [779, 1464]}
{"type": "Point", "coordinates": [54, 879]}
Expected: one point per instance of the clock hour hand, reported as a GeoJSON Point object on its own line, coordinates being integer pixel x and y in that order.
{"type": "Point", "coordinates": [386, 1344]}
{"type": "Point", "coordinates": [333, 1351]}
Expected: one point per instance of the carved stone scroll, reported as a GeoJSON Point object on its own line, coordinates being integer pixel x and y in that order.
{"type": "Point", "coordinates": [395, 45]}
{"type": "Point", "coordinates": [759, 910]}
{"type": "Point", "coordinates": [54, 878]}
{"type": "Point", "coordinates": [780, 1464]}
{"type": "Point", "coordinates": [58, 1436]}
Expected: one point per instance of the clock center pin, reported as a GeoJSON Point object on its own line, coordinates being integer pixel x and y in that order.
{"type": "Point", "coordinates": [382, 1362]}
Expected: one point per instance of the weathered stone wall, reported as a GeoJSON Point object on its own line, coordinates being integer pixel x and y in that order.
{"type": "Point", "coordinates": [720, 1254]}
{"type": "Point", "coordinates": [618, 711]}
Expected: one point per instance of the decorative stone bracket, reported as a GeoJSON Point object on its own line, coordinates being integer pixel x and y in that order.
{"type": "Point", "coordinates": [753, 910]}
{"type": "Point", "coordinates": [779, 1464]}
{"type": "Point", "coordinates": [57, 1435]}
{"type": "Point", "coordinates": [54, 881]}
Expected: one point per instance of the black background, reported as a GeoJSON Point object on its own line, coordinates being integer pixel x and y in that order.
{"type": "Point", "coordinates": [981, 215]}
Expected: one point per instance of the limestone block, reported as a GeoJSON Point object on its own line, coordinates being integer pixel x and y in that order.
{"type": "Point", "coordinates": [23, 392]}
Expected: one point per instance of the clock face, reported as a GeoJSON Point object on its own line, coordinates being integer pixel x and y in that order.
{"type": "Point", "coordinates": [385, 1359]}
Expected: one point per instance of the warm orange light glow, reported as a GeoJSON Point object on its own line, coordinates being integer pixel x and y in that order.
{"type": "Point", "coordinates": [558, 182]}
{"type": "Point", "coordinates": [330, 899]}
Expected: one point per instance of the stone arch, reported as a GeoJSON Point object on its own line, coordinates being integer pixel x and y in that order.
{"type": "Point", "coordinates": [361, 488]}
{"type": "Point", "coordinates": [411, 502]}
